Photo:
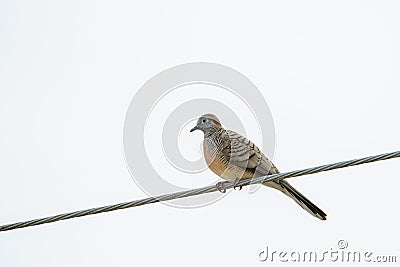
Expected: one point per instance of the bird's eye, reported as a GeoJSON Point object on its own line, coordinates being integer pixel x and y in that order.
{"type": "Point", "coordinates": [204, 120]}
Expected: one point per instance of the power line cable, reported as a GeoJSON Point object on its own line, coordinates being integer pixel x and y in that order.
{"type": "Point", "coordinates": [198, 191]}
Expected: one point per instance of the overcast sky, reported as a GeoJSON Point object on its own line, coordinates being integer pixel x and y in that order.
{"type": "Point", "coordinates": [329, 72]}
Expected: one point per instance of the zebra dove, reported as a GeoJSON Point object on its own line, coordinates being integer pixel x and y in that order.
{"type": "Point", "coordinates": [233, 157]}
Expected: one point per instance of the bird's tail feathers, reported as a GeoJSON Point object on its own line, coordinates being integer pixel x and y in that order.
{"type": "Point", "coordinates": [300, 199]}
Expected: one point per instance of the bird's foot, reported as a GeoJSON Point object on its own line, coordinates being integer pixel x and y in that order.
{"type": "Point", "coordinates": [221, 186]}
{"type": "Point", "coordinates": [237, 187]}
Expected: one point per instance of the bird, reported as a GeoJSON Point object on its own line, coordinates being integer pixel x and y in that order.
{"type": "Point", "coordinates": [232, 157]}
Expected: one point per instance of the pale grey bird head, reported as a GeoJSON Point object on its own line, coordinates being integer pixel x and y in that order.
{"type": "Point", "coordinates": [206, 123]}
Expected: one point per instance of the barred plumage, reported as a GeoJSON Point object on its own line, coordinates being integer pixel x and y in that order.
{"type": "Point", "coordinates": [232, 156]}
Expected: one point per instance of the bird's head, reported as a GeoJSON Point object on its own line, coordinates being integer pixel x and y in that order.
{"type": "Point", "coordinates": [207, 122]}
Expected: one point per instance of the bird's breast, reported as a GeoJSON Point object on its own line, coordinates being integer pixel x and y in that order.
{"type": "Point", "coordinates": [219, 163]}
{"type": "Point", "coordinates": [214, 157]}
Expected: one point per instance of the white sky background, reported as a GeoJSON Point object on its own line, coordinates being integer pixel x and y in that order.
{"type": "Point", "coordinates": [68, 71]}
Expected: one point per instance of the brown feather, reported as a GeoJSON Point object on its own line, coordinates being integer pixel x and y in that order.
{"type": "Point", "coordinates": [232, 156]}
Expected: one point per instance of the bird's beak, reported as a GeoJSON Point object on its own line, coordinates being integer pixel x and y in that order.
{"type": "Point", "coordinates": [194, 128]}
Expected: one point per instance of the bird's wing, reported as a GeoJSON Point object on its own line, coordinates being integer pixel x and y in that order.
{"type": "Point", "coordinates": [245, 154]}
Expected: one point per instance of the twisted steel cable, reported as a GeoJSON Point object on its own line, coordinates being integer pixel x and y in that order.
{"type": "Point", "coordinates": [203, 190]}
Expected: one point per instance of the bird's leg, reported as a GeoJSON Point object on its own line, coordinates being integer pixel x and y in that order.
{"type": "Point", "coordinates": [221, 186]}
{"type": "Point", "coordinates": [236, 187]}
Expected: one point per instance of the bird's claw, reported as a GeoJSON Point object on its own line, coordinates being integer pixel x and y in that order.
{"type": "Point", "coordinates": [238, 186]}
{"type": "Point", "coordinates": [221, 186]}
